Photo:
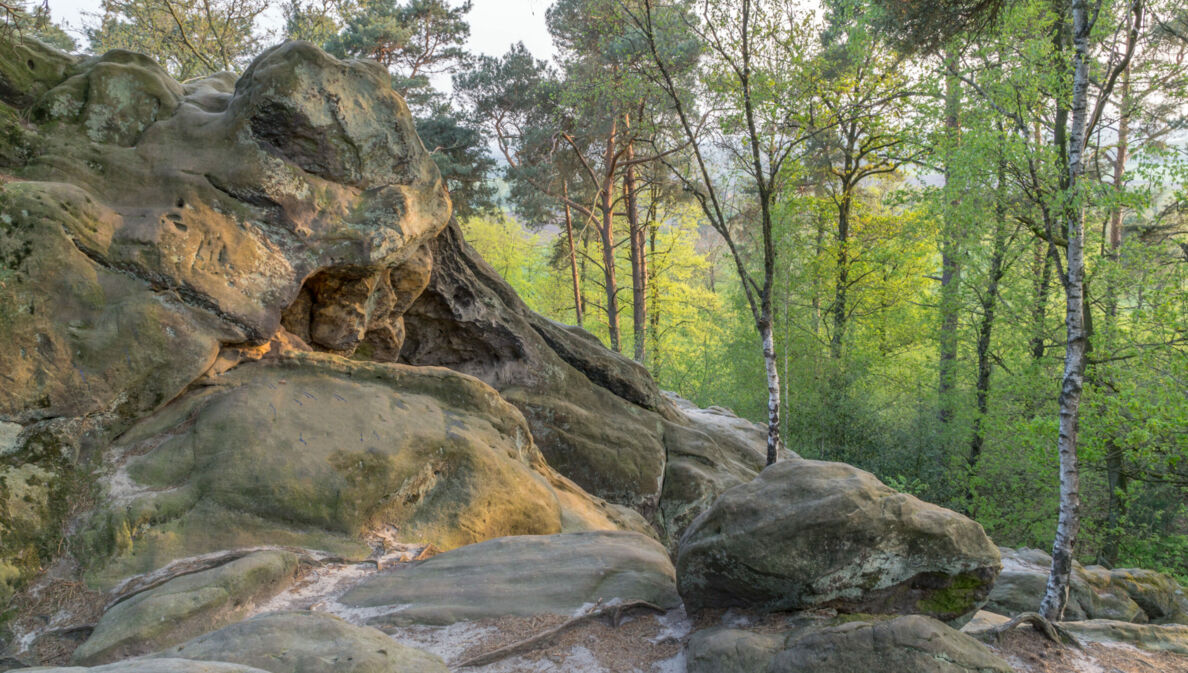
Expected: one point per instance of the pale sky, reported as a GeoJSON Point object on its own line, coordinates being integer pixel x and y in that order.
{"type": "Point", "coordinates": [494, 24]}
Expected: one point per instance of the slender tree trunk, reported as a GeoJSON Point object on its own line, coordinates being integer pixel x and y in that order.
{"type": "Point", "coordinates": [1116, 479]}
{"type": "Point", "coordinates": [767, 336]}
{"type": "Point", "coordinates": [1069, 520]}
{"type": "Point", "coordinates": [639, 260]}
{"type": "Point", "coordinates": [986, 326]}
{"type": "Point", "coordinates": [573, 266]}
{"type": "Point", "coordinates": [950, 253]}
{"type": "Point", "coordinates": [819, 244]}
{"type": "Point", "coordinates": [654, 312]}
{"type": "Point", "coordinates": [1042, 285]}
{"type": "Point", "coordinates": [607, 233]}
{"type": "Point", "coordinates": [1043, 272]}
{"type": "Point", "coordinates": [842, 283]}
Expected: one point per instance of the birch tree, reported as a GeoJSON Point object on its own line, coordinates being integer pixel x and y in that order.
{"type": "Point", "coordinates": [756, 57]}
{"type": "Point", "coordinates": [1076, 112]}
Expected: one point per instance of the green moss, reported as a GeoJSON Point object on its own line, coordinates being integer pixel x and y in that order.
{"type": "Point", "coordinates": [40, 488]}
{"type": "Point", "coordinates": [962, 594]}
{"type": "Point", "coordinates": [167, 465]}
{"type": "Point", "coordinates": [18, 144]}
{"type": "Point", "coordinates": [29, 68]}
{"type": "Point", "coordinates": [207, 528]}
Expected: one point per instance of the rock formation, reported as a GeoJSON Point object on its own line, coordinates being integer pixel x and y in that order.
{"type": "Point", "coordinates": [263, 409]}
{"type": "Point", "coordinates": [834, 536]}
{"type": "Point", "coordinates": [1123, 594]}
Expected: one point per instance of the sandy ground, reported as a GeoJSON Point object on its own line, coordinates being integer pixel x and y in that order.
{"type": "Point", "coordinates": [1029, 652]}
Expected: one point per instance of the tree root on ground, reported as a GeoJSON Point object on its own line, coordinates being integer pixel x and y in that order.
{"type": "Point", "coordinates": [1050, 630]}
{"type": "Point", "coordinates": [615, 612]}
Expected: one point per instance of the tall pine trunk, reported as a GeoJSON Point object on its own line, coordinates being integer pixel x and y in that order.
{"type": "Point", "coordinates": [638, 253]}
{"type": "Point", "coordinates": [1069, 520]}
{"type": "Point", "coordinates": [607, 233]}
{"type": "Point", "coordinates": [578, 309]}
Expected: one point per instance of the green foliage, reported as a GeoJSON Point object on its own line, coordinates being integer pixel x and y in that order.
{"type": "Point", "coordinates": [27, 17]}
{"type": "Point", "coordinates": [461, 154]}
{"type": "Point", "coordinates": [316, 21]}
{"type": "Point", "coordinates": [190, 38]}
{"type": "Point", "coordinates": [413, 39]}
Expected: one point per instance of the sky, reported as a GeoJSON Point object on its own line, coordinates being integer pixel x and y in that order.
{"type": "Point", "coordinates": [494, 24]}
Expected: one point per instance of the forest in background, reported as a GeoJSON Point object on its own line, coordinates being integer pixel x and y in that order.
{"type": "Point", "coordinates": [886, 196]}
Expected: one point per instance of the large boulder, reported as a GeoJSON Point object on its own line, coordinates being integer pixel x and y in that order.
{"type": "Point", "coordinates": [307, 642]}
{"type": "Point", "coordinates": [909, 643]}
{"type": "Point", "coordinates": [1122, 594]}
{"type": "Point", "coordinates": [521, 576]}
{"type": "Point", "coordinates": [153, 232]}
{"type": "Point", "coordinates": [134, 232]}
{"type": "Point", "coordinates": [317, 451]}
{"type": "Point", "coordinates": [808, 534]}
{"type": "Point", "coordinates": [186, 606]}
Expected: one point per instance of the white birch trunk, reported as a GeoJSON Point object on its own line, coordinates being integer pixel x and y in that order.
{"type": "Point", "coordinates": [773, 390]}
{"type": "Point", "coordinates": [1069, 520]}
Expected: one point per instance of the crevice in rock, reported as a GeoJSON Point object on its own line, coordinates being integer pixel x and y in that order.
{"type": "Point", "coordinates": [187, 293]}
{"type": "Point", "coordinates": [253, 197]}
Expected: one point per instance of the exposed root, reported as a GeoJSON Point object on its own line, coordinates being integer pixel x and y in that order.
{"type": "Point", "coordinates": [1050, 630]}
{"type": "Point", "coordinates": [615, 612]}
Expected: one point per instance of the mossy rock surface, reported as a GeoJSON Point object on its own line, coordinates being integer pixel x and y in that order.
{"type": "Point", "coordinates": [186, 606]}
{"type": "Point", "coordinates": [155, 666]}
{"type": "Point", "coordinates": [1121, 594]}
{"type": "Point", "coordinates": [145, 225]}
{"type": "Point", "coordinates": [808, 534]}
{"type": "Point", "coordinates": [522, 576]}
{"type": "Point", "coordinates": [307, 642]}
{"type": "Point", "coordinates": [907, 643]}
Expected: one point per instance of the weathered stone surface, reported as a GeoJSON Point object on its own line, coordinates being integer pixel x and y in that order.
{"type": "Point", "coordinates": [910, 643]}
{"type": "Point", "coordinates": [984, 620]}
{"type": "Point", "coordinates": [1154, 637]}
{"type": "Point", "coordinates": [29, 68]}
{"type": "Point", "coordinates": [1160, 596]}
{"type": "Point", "coordinates": [567, 385]}
{"type": "Point", "coordinates": [315, 451]}
{"type": "Point", "coordinates": [153, 232]}
{"type": "Point", "coordinates": [522, 576]}
{"type": "Point", "coordinates": [710, 452]}
{"type": "Point", "coordinates": [1123, 594]}
{"type": "Point", "coordinates": [307, 642]}
{"type": "Point", "coordinates": [186, 606]}
{"type": "Point", "coordinates": [327, 174]}
{"type": "Point", "coordinates": [808, 533]}
{"type": "Point", "coordinates": [155, 666]}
